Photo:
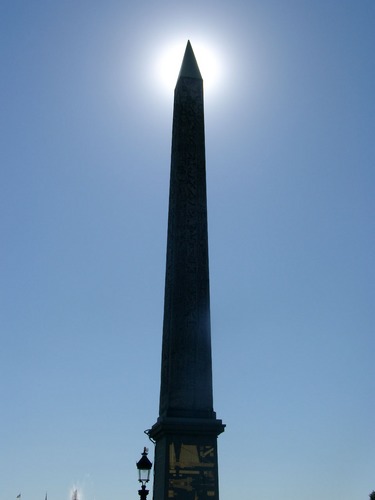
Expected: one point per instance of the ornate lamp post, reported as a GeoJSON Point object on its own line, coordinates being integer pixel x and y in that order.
{"type": "Point", "coordinates": [144, 468]}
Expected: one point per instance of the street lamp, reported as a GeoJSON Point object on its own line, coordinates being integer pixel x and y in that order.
{"type": "Point", "coordinates": [144, 468]}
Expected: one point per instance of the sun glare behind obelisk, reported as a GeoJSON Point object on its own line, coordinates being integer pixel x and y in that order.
{"type": "Point", "coordinates": [168, 64]}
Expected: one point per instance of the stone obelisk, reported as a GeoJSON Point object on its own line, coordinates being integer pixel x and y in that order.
{"type": "Point", "coordinates": [187, 429]}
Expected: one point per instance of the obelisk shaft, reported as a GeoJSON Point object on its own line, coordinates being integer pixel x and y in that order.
{"type": "Point", "coordinates": [187, 429]}
{"type": "Point", "coordinates": [186, 382]}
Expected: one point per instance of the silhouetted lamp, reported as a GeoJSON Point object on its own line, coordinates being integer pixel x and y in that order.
{"type": "Point", "coordinates": [144, 468]}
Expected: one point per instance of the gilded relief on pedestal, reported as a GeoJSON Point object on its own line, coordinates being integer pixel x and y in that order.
{"type": "Point", "coordinates": [191, 471]}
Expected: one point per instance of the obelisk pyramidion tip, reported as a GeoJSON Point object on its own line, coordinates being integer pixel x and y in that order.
{"type": "Point", "coordinates": [189, 66]}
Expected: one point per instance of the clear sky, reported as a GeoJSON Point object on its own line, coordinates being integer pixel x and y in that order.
{"type": "Point", "coordinates": [84, 155]}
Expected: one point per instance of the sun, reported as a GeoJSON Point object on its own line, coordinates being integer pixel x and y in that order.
{"type": "Point", "coordinates": [169, 62]}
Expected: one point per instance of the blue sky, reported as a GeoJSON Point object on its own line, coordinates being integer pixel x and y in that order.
{"type": "Point", "coordinates": [85, 151]}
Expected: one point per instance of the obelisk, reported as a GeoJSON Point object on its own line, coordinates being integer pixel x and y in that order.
{"type": "Point", "coordinates": [186, 431]}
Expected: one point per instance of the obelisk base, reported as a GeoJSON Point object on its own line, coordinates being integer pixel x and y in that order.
{"type": "Point", "coordinates": [186, 466]}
